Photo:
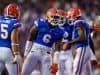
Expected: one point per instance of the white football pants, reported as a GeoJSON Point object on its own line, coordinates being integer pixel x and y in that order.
{"type": "Point", "coordinates": [6, 58]}
{"type": "Point", "coordinates": [39, 54]}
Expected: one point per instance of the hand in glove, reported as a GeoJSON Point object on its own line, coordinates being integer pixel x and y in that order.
{"type": "Point", "coordinates": [54, 68]}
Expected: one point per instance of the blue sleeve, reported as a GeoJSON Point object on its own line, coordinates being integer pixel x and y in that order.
{"type": "Point", "coordinates": [1, 17]}
{"type": "Point", "coordinates": [15, 24]}
{"type": "Point", "coordinates": [79, 23]}
{"type": "Point", "coordinates": [39, 23]}
{"type": "Point", "coordinates": [36, 23]}
{"type": "Point", "coordinates": [83, 24]}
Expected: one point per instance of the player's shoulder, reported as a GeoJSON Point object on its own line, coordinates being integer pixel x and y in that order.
{"type": "Point", "coordinates": [39, 22]}
{"type": "Point", "coordinates": [15, 22]}
{"type": "Point", "coordinates": [11, 19]}
{"type": "Point", "coordinates": [18, 23]}
{"type": "Point", "coordinates": [6, 20]}
{"type": "Point", "coordinates": [80, 21]}
{"type": "Point", "coordinates": [1, 17]}
{"type": "Point", "coordinates": [68, 27]}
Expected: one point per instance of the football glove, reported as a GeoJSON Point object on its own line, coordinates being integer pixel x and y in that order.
{"type": "Point", "coordinates": [53, 68]}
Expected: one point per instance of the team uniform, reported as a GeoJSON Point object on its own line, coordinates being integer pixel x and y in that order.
{"type": "Point", "coordinates": [7, 25]}
{"type": "Point", "coordinates": [42, 47]}
{"type": "Point", "coordinates": [65, 58]}
{"type": "Point", "coordinates": [83, 51]}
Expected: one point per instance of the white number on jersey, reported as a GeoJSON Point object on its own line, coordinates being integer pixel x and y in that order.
{"type": "Point", "coordinates": [65, 36]}
{"type": "Point", "coordinates": [46, 38]}
{"type": "Point", "coordinates": [4, 32]}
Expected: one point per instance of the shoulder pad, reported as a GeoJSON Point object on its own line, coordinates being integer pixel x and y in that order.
{"type": "Point", "coordinates": [1, 17]}
{"type": "Point", "coordinates": [39, 21]}
{"type": "Point", "coordinates": [17, 23]}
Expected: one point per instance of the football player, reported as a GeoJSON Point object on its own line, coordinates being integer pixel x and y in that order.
{"type": "Point", "coordinates": [64, 58]}
{"type": "Point", "coordinates": [43, 35]}
{"type": "Point", "coordinates": [9, 46]}
{"type": "Point", "coordinates": [81, 34]}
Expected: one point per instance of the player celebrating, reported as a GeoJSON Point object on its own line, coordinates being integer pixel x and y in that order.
{"type": "Point", "coordinates": [64, 58]}
{"type": "Point", "coordinates": [9, 47]}
{"type": "Point", "coordinates": [39, 45]}
{"type": "Point", "coordinates": [80, 40]}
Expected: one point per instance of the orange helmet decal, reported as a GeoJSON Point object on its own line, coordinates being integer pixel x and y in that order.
{"type": "Point", "coordinates": [12, 10]}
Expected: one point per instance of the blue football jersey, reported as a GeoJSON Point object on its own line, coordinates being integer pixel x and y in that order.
{"type": "Point", "coordinates": [68, 34]}
{"type": "Point", "coordinates": [47, 36]}
{"type": "Point", "coordinates": [7, 24]}
{"type": "Point", "coordinates": [87, 29]}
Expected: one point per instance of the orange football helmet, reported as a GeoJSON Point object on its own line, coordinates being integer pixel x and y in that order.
{"type": "Point", "coordinates": [52, 16]}
{"type": "Point", "coordinates": [73, 13]}
{"type": "Point", "coordinates": [62, 19]}
{"type": "Point", "coordinates": [12, 10]}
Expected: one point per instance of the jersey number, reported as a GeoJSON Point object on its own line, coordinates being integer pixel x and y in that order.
{"type": "Point", "coordinates": [46, 38]}
{"type": "Point", "coordinates": [3, 31]}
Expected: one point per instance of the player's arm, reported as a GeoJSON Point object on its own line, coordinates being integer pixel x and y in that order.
{"type": "Point", "coordinates": [58, 45]}
{"type": "Point", "coordinates": [14, 40]}
{"type": "Point", "coordinates": [56, 50]}
{"type": "Point", "coordinates": [55, 57]}
{"type": "Point", "coordinates": [81, 33]}
{"type": "Point", "coordinates": [31, 38]}
{"type": "Point", "coordinates": [80, 38]}
{"type": "Point", "coordinates": [15, 45]}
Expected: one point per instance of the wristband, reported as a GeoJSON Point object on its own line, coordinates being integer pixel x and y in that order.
{"type": "Point", "coordinates": [14, 44]}
{"type": "Point", "coordinates": [16, 53]}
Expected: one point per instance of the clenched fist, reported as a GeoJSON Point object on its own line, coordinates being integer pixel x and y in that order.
{"type": "Point", "coordinates": [54, 68]}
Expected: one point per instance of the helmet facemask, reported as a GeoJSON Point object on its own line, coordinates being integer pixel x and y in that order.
{"type": "Point", "coordinates": [54, 21]}
{"type": "Point", "coordinates": [70, 20]}
{"type": "Point", "coordinates": [62, 21]}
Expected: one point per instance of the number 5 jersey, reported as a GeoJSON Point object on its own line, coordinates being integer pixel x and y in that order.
{"type": "Point", "coordinates": [7, 24]}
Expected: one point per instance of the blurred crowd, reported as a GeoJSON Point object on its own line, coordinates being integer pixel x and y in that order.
{"type": "Point", "coordinates": [32, 9]}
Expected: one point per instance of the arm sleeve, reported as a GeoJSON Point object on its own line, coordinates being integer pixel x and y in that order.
{"type": "Point", "coordinates": [39, 23]}
{"type": "Point", "coordinates": [16, 24]}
